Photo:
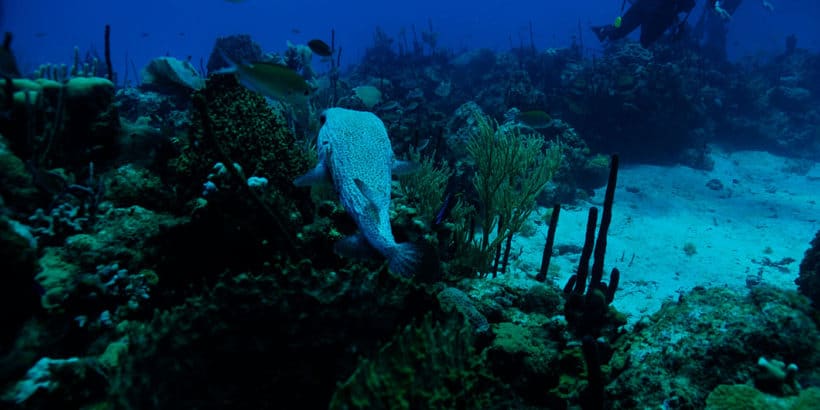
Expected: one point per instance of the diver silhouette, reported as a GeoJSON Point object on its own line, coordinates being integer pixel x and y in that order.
{"type": "Point", "coordinates": [653, 16]}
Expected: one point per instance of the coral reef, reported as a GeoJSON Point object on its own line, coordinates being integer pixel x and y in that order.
{"type": "Point", "coordinates": [157, 253]}
{"type": "Point", "coordinates": [707, 338]}
{"type": "Point", "coordinates": [428, 365]}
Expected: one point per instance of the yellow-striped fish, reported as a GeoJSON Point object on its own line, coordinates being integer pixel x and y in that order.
{"type": "Point", "coordinates": [271, 80]}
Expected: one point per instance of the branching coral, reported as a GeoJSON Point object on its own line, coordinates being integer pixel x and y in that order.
{"type": "Point", "coordinates": [511, 170]}
{"type": "Point", "coordinates": [425, 188]}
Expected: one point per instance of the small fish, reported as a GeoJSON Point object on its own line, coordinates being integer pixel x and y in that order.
{"type": "Point", "coordinates": [144, 34]}
{"type": "Point", "coordinates": [535, 119]}
{"type": "Point", "coordinates": [295, 31]}
{"type": "Point", "coordinates": [41, 34]}
{"type": "Point", "coordinates": [444, 211]}
{"type": "Point", "coordinates": [320, 48]}
{"type": "Point", "coordinates": [271, 80]}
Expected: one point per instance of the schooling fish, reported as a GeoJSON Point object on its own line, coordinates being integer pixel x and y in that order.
{"type": "Point", "coordinates": [356, 156]}
{"type": "Point", "coordinates": [271, 80]}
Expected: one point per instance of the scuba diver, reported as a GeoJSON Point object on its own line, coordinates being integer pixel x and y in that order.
{"type": "Point", "coordinates": [712, 28]}
{"type": "Point", "coordinates": [726, 8]}
{"type": "Point", "coordinates": [653, 16]}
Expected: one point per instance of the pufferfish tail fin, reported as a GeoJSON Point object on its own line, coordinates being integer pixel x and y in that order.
{"type": "Point", "coordinates": [404, 259]}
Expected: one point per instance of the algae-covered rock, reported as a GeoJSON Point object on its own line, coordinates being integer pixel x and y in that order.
{"type": "Point", "coordinates": [454, 299]}
{"type": "Point", "coordinates": [294, 330]}
{"type": "Point", "coordinates": [122, 236]}
{"type": "Point", "coordinates": [135, 185]}
{"type": "Point", "coordinates": [58, 278]}
{"type": "Point", "coordinates": [711, 337]}
{"type": "Point", "coordinates": [526, 358]}
{"type": "Point", "coordinates": [745, 397]}
{"type": "Point", "coordinates": [429, 365]}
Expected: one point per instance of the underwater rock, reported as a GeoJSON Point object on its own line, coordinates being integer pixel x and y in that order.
{"type": "Point", "coordinates": [238, 47]}
{"type": "Point", "coordinates": [524, 355]}
{"type": "Point", "coordinates": [171, 76]}
{"type": "Point", "coordinates": [743, 396]}
{"type": "Point", "coordinates": [789, 98]}
{"type": "Point", "coordinates": [454, 299]}
{"type": "Point", "coordinates": [122, 235]}
{"type": "Point", "coordinates": [16, 185]}
{"type": "Point", "coordinates": [461, 126]}
{"type": "Point", "coordinates": [541, 299]}
{"type": "Point", "coordinates": [50, 381]}
{"type": "Point", "coordinates": [134, 185]}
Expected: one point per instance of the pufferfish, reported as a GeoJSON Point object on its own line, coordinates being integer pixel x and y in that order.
{"type": "Point", "coordinates": [356, 156]}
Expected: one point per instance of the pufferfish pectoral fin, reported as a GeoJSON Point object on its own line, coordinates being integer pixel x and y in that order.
{"type": "Point", "coordinates": [400, 167]}
{"type": "Point", "coordinates": [316, 176]}
{"type": "Point", "coordinates": [372, 210]}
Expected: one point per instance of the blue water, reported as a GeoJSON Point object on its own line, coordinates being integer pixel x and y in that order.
{"type": "Point", "coordinates": [48, 31]}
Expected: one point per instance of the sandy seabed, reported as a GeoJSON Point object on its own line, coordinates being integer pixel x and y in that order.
{"type": "Point", "coordinates": [747, 221]}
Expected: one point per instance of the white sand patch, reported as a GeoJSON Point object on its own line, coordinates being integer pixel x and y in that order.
{"type": "Point", "coordinates": [763, 212]}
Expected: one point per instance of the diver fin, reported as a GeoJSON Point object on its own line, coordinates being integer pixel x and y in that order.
{"type": "Point", "coordinates": [403, 167]}
{"type": "Point", "coordinates": [602, 32]}
{"type": "Point", "coordinates": [316, 176]}
{"type": "Point", "coordinates": [372, 209]}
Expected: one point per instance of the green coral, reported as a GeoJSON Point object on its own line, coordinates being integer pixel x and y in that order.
{"type": "Point", "coordinates": [431, 366]}
{"type": "Point", "coordinates": [511, 170]}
